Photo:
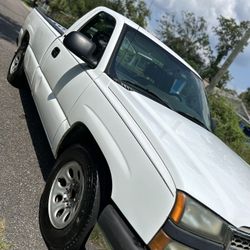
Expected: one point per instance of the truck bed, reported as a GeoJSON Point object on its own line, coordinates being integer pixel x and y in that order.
{"type": "Point", "coordinates": [58, 27]}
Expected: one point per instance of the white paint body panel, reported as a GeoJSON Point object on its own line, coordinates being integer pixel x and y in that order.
{"type": "Point", "coordinates": [48, 107]}
{"type": "Point", "coordinates": [65, 76]}
{"type": "Point", "coordinates": [61, 104]}
{"type": "Point", "coordinates": [151, 150]}
{"type": "Point", "coordinates": [143, 202]}
{"type": "Point", "coordinates": [199, 163]}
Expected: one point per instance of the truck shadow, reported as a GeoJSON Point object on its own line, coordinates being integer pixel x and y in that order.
{"type": "Point", "coordinates": [9, 29]}
{"type": "Point", "coordinates": [38, 136]}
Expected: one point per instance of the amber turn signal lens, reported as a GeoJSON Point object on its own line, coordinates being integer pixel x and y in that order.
{"type": "Point", "coordinates": [178, 209]}
{"type": "Point", "coordinates": [160, 241]}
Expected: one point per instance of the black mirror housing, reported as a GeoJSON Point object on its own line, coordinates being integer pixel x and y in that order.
{"type": "Point", "coordinates": [81, 46]}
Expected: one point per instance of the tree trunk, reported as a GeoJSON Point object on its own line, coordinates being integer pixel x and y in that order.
{"type": "Point", "coordinates": [238, 48]}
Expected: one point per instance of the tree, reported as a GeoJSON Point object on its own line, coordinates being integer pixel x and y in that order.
{"type": "Point", "coordinates": [236, 50]}
{"type": "Point", "coordinates": [76, 8]}
{"type": "Point", "coordinates": [229, 34]}
{"type": "Point", "coordinates": [188, 37]}
{"type": "Point", "coordinates": [211, 70]}
{"type": "Point", "coordinates": [136, 10]}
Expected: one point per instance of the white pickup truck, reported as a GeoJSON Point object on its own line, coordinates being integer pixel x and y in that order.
{"type": "Point", "coordinates": [128, 122]}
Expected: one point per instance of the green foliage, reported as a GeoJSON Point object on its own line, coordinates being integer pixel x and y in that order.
{"type": "Point", "coordinates": [188, 36]}
{"type": "Point", "coordinates": [245, 97]}
{"type": "Point", "coordinates": [136, 10]}
{"type": "Point", "coordinates": [98, 239]}
{"type": "Point", "coordinates": [3, 244]}
{"type": "Point", "coordinates": [229, 34]}
{"type": "Point", "coordinates": [211, 70]}
{"type": "Point", "coordinates": [227, 126]}
{"type": "Point", "coordinates": [28, 2]}
{"type": "Point", "coordinates": [64, 19]}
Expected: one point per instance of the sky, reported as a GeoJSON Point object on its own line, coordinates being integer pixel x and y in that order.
{"type": "Point", "coordinates": [210, 10]}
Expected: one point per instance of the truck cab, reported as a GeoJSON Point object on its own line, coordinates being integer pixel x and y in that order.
{"type": "Point", "coordinates": [129, 125]}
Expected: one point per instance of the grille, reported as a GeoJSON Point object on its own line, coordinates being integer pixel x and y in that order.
{"type": "Point", "coordinates": [239, 243]}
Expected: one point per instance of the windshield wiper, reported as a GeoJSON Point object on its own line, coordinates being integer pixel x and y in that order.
{"type": "Point", "coordinates": [192, 118]}
{"type": "Point", "coordinates": [133, 86]}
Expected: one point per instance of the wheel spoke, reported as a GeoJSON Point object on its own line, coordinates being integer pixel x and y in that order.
{"type": "Point", "coordinates": [16, 61]}
{"type": "Point", "coordinates": [67, 214]}
{"type": "Point", "coordinates": [55, 207]}
{"type": "Point", "coordinates": [61, 219]}
{"type": "Point", "coordinates": [65, 174]}
{"type": "Point", "coordinates": [58, 188]}
{"type": "Point", "coordinates": [77, 173]}
{"type": "Point", "coordinates": [66, 195]}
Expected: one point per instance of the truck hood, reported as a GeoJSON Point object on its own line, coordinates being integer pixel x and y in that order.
{"type": "Point", "coordinates": [199, 163]}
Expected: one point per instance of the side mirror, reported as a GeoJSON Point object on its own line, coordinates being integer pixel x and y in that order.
{"type": "Point", "coordinates": [81, 46]}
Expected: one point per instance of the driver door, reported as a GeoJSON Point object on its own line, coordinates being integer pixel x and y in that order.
{"type": "Point", "coordinates": [64, 76]}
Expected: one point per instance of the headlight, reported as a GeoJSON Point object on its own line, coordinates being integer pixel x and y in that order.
{"type": "Point", "coordinates": [196, 226]}
{"type": "Point", "coordinates": [195, 218]}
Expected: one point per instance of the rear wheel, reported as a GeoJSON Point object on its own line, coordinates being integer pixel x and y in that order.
{"type": "Point", "coordinates": [70, 202]}
{"type": "Point", "coordinates": [16, 75]}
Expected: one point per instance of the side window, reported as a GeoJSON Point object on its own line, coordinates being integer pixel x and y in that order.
{"type": "Point", "coordinates": [99, 29]}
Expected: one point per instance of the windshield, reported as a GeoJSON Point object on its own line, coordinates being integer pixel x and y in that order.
{"type": "Point", "coordinates": [142, 63]}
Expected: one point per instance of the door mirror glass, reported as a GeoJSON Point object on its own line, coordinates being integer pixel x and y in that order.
{"type": "Point", "coordinates": [81, 46]}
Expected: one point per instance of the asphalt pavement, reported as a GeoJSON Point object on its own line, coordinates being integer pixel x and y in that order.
{"type": "Point", "coordinates": [25, 156]}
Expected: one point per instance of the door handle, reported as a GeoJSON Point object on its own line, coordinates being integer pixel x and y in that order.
{"type": "Point", "coordinates": [55, 52]}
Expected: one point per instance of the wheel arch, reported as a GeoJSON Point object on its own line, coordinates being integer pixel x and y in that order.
{"type": "Point", "coordinates": [24, 39]}
{"type": "Point", "coordinates": [80, 134]}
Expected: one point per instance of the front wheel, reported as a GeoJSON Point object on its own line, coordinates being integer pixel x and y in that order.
{"type": "Point", "coordinates": [16, 75]}
{"type": "Point", "coordinates": [70, 202]}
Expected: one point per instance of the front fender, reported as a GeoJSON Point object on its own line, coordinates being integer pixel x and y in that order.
{"type": "Point", "coordinates": [138, 190]}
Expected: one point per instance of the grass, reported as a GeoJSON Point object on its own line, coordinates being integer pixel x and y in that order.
{"type": "Point", "coordinates": [28, 2]}
{"type": "Point", "coordinates": [3, 244]}
{"type": "Point", "coordinates": [98, 240]}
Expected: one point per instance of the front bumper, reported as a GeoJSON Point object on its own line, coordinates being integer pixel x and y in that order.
{"type": "Point", "coordinates": [118, 232]}
{"type": "Point", "coordinates": [122, 236]}
{"type": "Point", "coordinates": [235, 239]}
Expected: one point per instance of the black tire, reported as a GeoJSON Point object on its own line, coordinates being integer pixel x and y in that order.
{"type": "Point", "coordinates": [16, 75]}
{"type": "Point", "coordinates": [74, 235]}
